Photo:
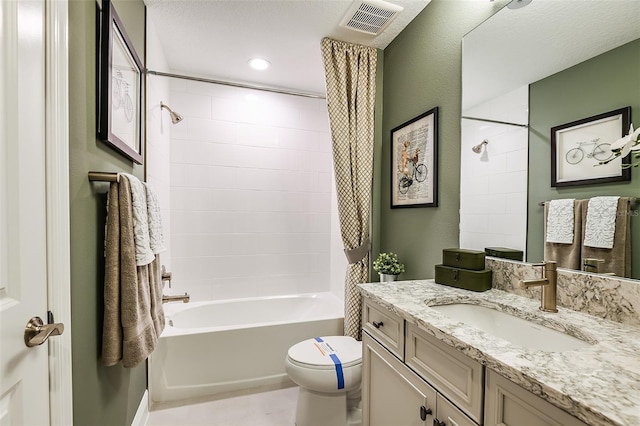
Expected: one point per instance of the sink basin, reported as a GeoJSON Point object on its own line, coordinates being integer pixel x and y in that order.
{"type": "Point", "coordinates": [511, 328]}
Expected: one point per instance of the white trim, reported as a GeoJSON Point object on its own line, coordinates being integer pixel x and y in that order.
{"type": "Point", "coordinates": [57, 189]}
{"type": "Point", "coordinates": [142, 414]}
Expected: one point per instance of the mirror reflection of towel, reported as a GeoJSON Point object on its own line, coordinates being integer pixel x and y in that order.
{"type": "Point", "coordinates": [617, 260]}
{"type": "Point", "coordinates": [565, 255]}
{"type": "Point", "coordinates": [561, 221]}
{"type": "Point", "coordinates": [600, 224]}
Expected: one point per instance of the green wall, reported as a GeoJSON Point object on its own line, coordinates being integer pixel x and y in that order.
{"type": "Point", "coordinates": [422, 69]}
{"type": "Point", "coordinates": [605, 83]}
{"type": "Point", "coordinates": [101, 396]}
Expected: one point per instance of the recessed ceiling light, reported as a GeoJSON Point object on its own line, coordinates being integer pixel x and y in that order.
{"type": "Point", "coordinates": [259, 64]}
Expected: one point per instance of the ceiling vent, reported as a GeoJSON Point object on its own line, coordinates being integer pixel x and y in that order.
{"type": "Point", "coordinates": [370, 16]}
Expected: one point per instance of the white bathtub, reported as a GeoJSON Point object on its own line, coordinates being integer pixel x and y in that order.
{"type": "Point", "coordinates": [209, 349]}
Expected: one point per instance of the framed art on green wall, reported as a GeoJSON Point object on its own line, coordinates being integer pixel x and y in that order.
{"type": "Point", "coordinates": [580, 149]}
{"type": "Point", "coordinates": [120, 87]}
{"type": "Point", "coordinates": [414, 162]}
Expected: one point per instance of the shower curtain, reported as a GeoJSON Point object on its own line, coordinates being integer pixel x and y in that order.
{"type": "Point", "coordinates": [350, 73]}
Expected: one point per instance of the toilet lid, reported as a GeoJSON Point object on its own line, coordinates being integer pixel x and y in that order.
{"type": "Point", "coordinates": [325, 352]}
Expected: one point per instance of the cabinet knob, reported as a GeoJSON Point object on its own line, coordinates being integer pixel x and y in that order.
{"type": "Point", "coordinates": [424, 412]}
{"type": "Point", "coordinates": [377, 324]}
{"type": "Point", "coordinates": [437, 422]}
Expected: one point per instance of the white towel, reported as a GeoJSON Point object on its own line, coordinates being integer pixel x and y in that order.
{"type": "Point", "coordinates": [144, 254]}
{"type": "Point", "coordinates": [601, 222]}
{"type": "Point", "coordinates": [560, 221]}
{"type": "Point", "coordinates": [156, 236]}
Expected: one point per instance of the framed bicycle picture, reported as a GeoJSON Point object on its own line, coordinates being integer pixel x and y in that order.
{"type": "Point", "coordinates": [579, 148]}
{"type": "Point", "coordinates": [120, 87]}
{"type": "Point", "coordinates": [414, 162]}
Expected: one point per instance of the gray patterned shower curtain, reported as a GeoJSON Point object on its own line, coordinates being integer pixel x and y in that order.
{"type": "Point", "coordinates": [350, 73]}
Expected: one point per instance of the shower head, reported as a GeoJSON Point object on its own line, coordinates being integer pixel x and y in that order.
{"type": "Point", "coordinates": [478, 147]}
{"type": "Point", "coordinates": [175, 117]}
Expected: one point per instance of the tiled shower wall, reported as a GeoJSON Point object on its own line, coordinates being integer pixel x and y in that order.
{"type": "Point", "coordinates": [250, 192]}
{"type": "Point", "coordinates": [493, 184]}
{"type": "Point", "coordinates": [158, 137]}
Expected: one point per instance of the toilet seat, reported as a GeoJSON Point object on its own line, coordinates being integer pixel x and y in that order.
{"type": "Point", "coordinates": [323, 353]}
{"type": "Point", "coordinates": [328, 371]}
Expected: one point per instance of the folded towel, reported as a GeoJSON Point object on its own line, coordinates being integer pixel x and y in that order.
{"type": "Point", "coordinates": [560, 221]}
{"type": "Point", "coordinates": [601, 222]}
{"type": "Point", "coordinates": [618, 259]}
{"type": "Point", "coordinates": [566, 255]}
{"type": "Point", "coordinates": [133, 315]}
{"type": "Point", "coordinates": [144, 254]}
{"type": "Point", "coordinates": [156, 235]}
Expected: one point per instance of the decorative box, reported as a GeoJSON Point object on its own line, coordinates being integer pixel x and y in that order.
{"type": "Point", "coordinates": [464, 278]}
{"type": "Point", "coordinates": [504, 253]}
{"type": "Point", "coordinates": [463, 258]}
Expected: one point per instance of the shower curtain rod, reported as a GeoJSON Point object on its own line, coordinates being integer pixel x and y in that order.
{"type": "Point", "coordinates": [495, 121]}
{"type": "Point", "coordinates": [228, 83]}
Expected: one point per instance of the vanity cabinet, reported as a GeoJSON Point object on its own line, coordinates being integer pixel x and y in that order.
{"type": "Point", "coordinates": [393, 394]}
{"type": "Point", "coordinates": [412, 378]}
{"type": "Point", "coordinates": [508, 404]}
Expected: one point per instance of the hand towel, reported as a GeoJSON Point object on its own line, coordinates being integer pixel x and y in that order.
{"type": "Point", "coordinates": [560, 221]}
{"type": "Point", "coordinates": [133, 316]}
{"type": "Point", "coordinates": [156, 235]}
{"type": "Point", "coordinates": [601, 222]}
{"type": "Point", "coordinates": [144, 254]}
{"type": "Point", "coordinates": [566, 255]}
{"type": "Point", "coordinates": [618, 259]}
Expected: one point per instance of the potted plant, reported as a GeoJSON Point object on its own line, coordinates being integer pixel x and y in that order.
{"type": "Point", "coordinates": [388, 266]}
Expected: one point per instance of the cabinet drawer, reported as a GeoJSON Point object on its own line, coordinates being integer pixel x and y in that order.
{"type": "Point", "coordinates": [510, 405]}
{"type": "Point", "coordinates": [455, 375]}
{"type": "Point", "coordinates": [385, 326]}
{"type": "Point", "coordinates": [449, 415]}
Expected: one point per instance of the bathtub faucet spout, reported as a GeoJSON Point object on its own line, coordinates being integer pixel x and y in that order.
{"type": "Point", "coordinates": [178, 298]}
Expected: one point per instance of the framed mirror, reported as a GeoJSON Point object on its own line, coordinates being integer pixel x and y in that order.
{"type": "Point", "coordinates": [524, 72]}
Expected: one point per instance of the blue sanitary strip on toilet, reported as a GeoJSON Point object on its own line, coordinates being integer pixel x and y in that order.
{"type": "Point", "coordinates": [338, 365]}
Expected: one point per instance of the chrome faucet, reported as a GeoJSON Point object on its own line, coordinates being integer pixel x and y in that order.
{"type": "Point", "coordinates": [549, 284]}
{"type": "Point", "coordinates": [177, 298]}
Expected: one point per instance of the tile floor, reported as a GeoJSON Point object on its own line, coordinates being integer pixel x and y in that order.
{"type": "Point", "coordinates": [272, 408]}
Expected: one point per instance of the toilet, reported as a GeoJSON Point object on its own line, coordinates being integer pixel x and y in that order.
{"type": "Point", "coordinates": [328, 371]}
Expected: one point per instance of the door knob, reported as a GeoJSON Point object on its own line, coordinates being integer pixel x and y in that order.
{"type": "Point", "coordinates": [37, 332]}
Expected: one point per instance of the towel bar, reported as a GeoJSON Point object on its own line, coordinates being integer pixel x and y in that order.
{"type": "Point", "coordinates": [104, 177]}
{"type": "Point", "coordinates": [632, 200]}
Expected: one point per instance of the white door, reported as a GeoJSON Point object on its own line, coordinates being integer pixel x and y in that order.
{"type": "Point", "coordinates": [24, 376]}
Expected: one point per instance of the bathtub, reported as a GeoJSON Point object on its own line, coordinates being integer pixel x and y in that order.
{"type": "Point", "coordinates": [212, 349]}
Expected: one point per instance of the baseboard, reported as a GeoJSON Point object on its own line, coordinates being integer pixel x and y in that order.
{"type": "Point", "coordinates": [142, 415]}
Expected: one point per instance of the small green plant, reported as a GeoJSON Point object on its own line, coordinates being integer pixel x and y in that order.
{"type": "Point", "coordinates": [388, 263]}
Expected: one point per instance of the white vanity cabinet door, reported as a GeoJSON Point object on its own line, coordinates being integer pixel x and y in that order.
{"type": "Point", "coordinates": [453, 374]}
{"type": "Point", "coordinates": [448, 415]}
{"type": "Point", "coordinates": [392, 395]}
{"type": "Point", "coordinates": [385, 326]}
{"type": "Point", "coordinates": [510, 405]}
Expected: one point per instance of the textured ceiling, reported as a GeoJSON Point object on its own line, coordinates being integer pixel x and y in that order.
{"type": "Point", "coordinates": [215, 38]}
{"type": "Point", "coordinates": [516, 47]}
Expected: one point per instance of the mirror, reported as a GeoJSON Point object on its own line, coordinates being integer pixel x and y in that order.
{"type": "Point", "coordinates": [509, 61]}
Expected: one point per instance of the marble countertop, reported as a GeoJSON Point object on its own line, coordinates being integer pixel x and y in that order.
{"type": "Point", "coordinates": [599, 384]}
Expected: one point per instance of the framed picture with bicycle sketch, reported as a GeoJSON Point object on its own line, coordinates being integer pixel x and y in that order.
{"type": "Point", "coordinates": [414, 162]}
{"type": "Point", "coordinates": [120, 87]}
{"type": "Point", "coordinates": [579, 148]}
